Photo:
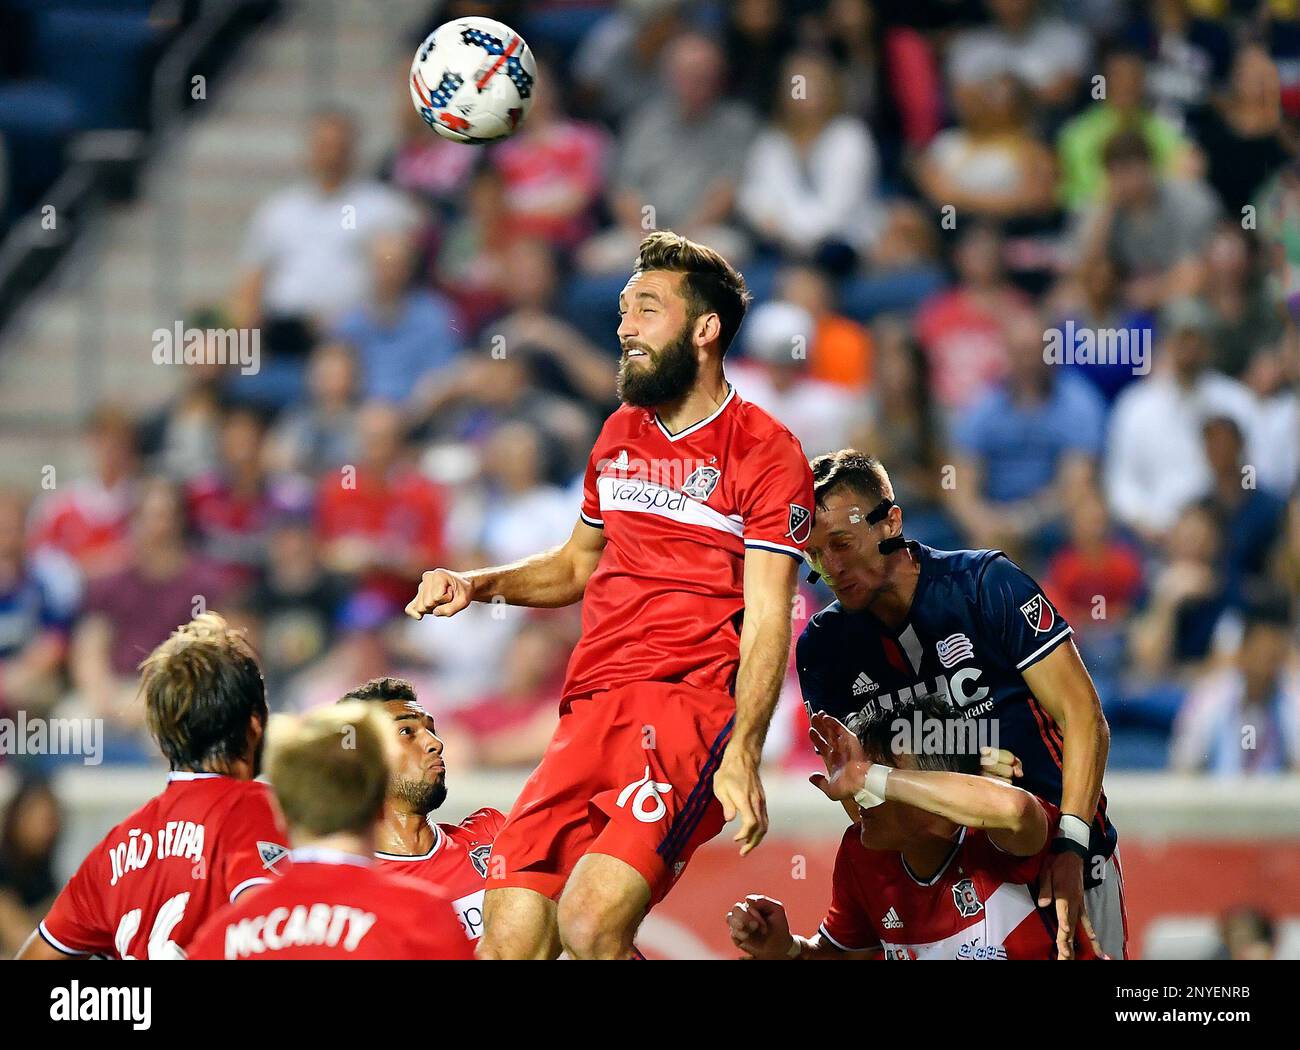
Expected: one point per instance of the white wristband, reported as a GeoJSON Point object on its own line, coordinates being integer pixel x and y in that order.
{"type": "Point", "coordinates": [873, 791]}
{"type": "Point", "coordinates": [1075, 829]}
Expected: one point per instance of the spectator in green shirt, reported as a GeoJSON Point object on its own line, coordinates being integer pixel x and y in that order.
{"type": "Point", "coordinates": [1082, 140]}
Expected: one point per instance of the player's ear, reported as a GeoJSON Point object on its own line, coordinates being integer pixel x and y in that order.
{"type": "Point", "coordinates": [708, 328]}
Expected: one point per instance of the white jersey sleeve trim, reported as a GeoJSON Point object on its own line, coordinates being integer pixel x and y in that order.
{"type": "Point", "coordinates": [246, 884]}
{"type": "Point", "coordinates": [842, 947]}
{"type": "Point", "coordinates": [57, 944]}
{"type": "Point", "coordinates": [1042, 649]}
{"type": "Point", "coordinates": [776, 548]}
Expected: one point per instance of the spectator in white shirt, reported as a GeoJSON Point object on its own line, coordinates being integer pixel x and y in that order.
{"type": "Point", "coordinates": [521, 510]}
{"type": "Point", "coordinates": [306, 257]}
{"type": "Point", "coordinates": [1048, 54]}
{"type": "Point", "coordinates": [812, 176]}
{"type": "Point", "coordinates": [1274, 376]}
{"type": "Point", "coordinates": [773, 375]}
{"type": "Point", "coordinates": [1155, 460]}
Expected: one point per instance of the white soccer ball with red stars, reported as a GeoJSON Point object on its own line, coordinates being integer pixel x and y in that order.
{"type": "Point", "coordinates": [472, 80]}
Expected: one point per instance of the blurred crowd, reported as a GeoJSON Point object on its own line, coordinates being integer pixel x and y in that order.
{"type": "Point", "coordinates": [923, 196]}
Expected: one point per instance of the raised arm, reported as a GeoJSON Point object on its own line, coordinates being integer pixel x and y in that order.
{"type": "Point", "coordinates": [543, 581]}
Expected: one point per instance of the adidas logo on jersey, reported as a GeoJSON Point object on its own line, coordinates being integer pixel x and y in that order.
{"type": "Point", "coordinates": [891, 921]}
{"type": "Point", "coordinates": [863, 684]}
{"type": "Point", "coordinates": [621, 460]}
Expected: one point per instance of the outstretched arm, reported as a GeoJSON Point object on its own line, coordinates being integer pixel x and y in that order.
{"type": "Point", "coordinates": [543, 581]}
{"type": "Point", "coordinates": [1014, 819]}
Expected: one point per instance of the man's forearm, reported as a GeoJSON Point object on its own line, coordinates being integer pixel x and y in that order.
{"type": "Point", "coordinates": [541, 581]}
{"type": "Point", "coordinates": [764, 653]}
{"type": "Point", "coordinates": [1087, 745]}
{"type": "Point", "coordinates": [975, 801]}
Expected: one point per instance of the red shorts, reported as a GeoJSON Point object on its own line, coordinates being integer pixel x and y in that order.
{"type": "Point", "coordinates": [629, 773]}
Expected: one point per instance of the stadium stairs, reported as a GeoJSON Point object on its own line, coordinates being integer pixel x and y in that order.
{"type": "Point", "coordinates": [84, 337]}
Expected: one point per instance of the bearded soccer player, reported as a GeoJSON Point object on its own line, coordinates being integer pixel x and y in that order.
{"type": "Point", "coordinates": [695, 510]}
{"type": "Point", "coordinates": [971, 625]}
{"type": "Point", "coordinates": [330, 771]}
{"type": "Point", "coordinates": [451, 857]}
{"type": "Point", "coordinates": [209, 837]}
{"type": "Point", "coordinates": [942, 864]}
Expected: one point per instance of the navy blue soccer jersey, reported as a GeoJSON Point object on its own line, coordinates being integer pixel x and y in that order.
{"type": "Point", "coordinates": [977, 622]}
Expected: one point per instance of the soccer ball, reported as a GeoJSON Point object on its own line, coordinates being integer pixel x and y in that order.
{"type": "Point", "coordinates": [472, 80]}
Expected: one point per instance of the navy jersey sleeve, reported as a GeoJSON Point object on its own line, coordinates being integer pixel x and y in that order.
{"type": "Point", "coordinates": [1022, 624]}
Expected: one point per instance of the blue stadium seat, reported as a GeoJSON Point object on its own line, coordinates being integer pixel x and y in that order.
{"type": "Point", "coordinates": [36, 118]}
{"type": "Point", "coordinates": [98, 56]}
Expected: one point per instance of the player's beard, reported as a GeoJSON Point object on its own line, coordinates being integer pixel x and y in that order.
{"type": "Point", "coordinates": [420, 796]}
{"type": "Point", "coordinates": [670, 376]}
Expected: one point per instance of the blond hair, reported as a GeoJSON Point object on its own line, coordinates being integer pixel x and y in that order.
{"type": "Point", "coordinates": [329, 768]}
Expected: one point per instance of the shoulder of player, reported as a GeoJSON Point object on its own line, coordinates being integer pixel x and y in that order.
{"type": "Point", "coordinates": [823, 625]}
{"type": "Point", "coordinates": [623, 419]}
{"type": "Point", "coordinates": [959, 562]}
{"type": "Point", "coordinates": [763, 428]}
{"type": "Point", "coordinates": [249, 797]}
{"type": "Point", "coordinates": [484, 822]}
{"type": "Point", "coordinates": [249, 791]}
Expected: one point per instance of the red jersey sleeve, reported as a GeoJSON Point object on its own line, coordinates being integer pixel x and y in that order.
{"type": "Point", "coordinates": [76, 923]}
{"type": "Point", "coordinates": [776, 496]}
{"type": "Point", "coordinates": [590, 511]}
{"type": "Point", "coordinates": [253, 840]}
{"type": "Point", "coordinates": [847, 925]}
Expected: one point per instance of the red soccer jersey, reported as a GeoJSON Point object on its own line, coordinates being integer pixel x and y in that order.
{"type": "Point", "coordinates": [334, 905]}
{"type": "Point", "coordinates": [679, 511]}
{"type": "Point", "coordinates": [145, 889]}
{"type": "Point", "coordinates": [980, 904]}
{"type": "Point", "coordinates": [456, 866]}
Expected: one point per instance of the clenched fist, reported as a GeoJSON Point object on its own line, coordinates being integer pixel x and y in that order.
{"type": "Point", "coordinates": [442, 592]}
{"type": "Point", "coordinates": [759, 927]}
